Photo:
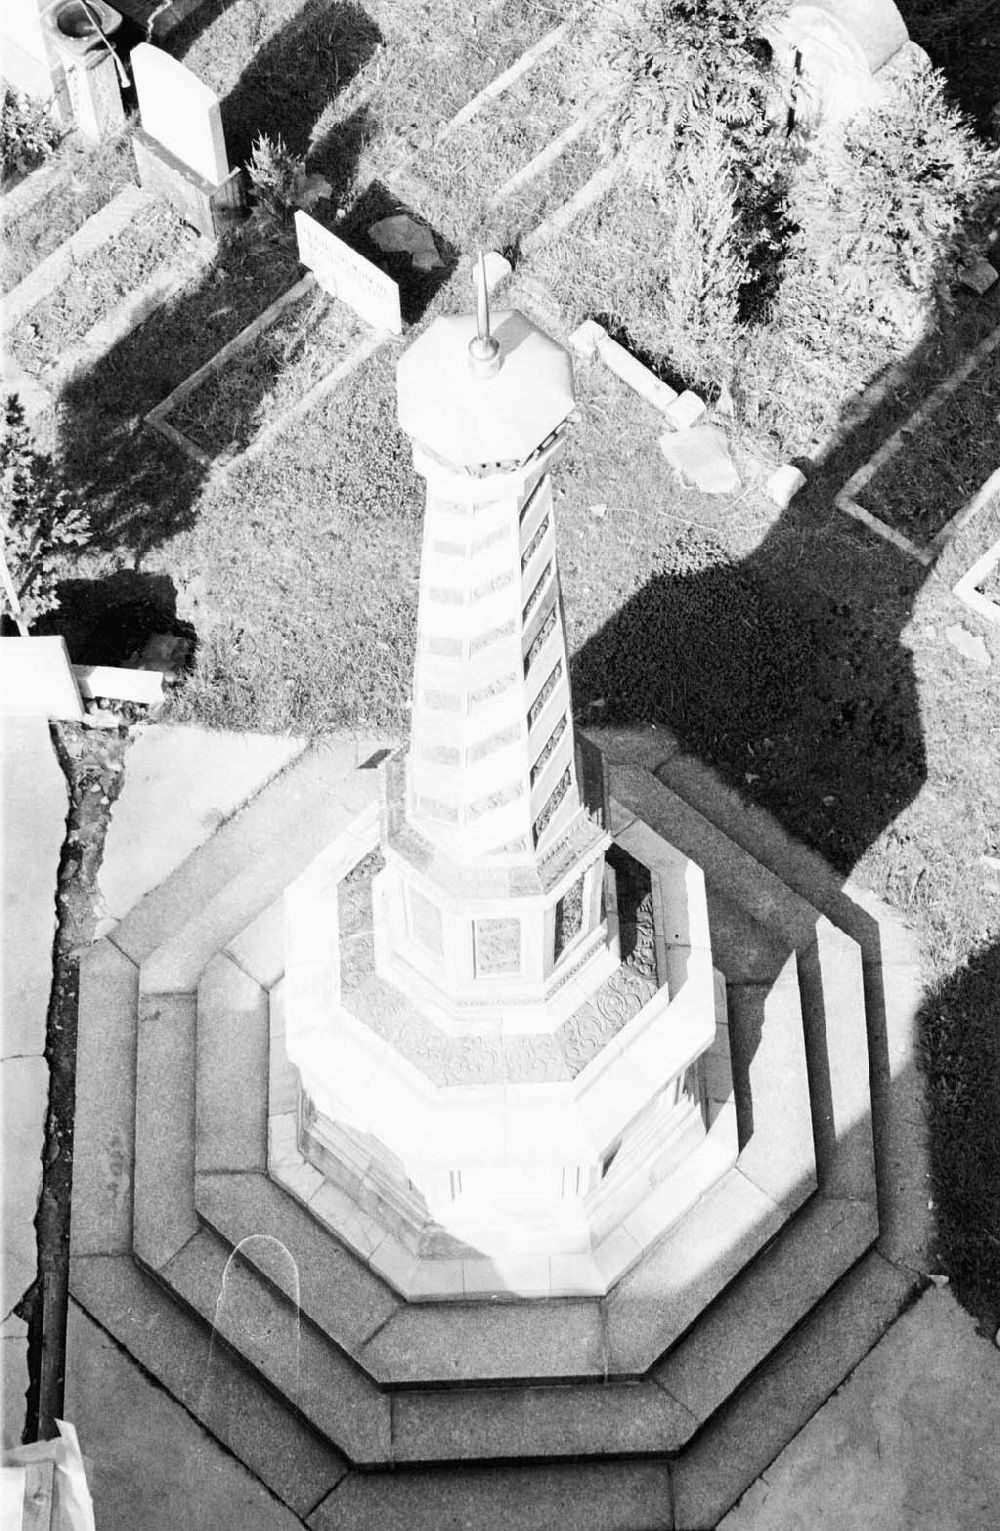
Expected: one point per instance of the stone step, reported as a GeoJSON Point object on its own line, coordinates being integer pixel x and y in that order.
{"type": "Point", "coordinates": [267, 1329]}
{"type": "Point", "coordinates": [584, 1420]}
{"type": "Point", "coordinates": [243, 869]}
{"type": "Point", "coordinates": [211, 1382]}
{"type": "Point", "coordinates": [749, 1431]}
{"type": "Point", "coordinates": [765, 1302]}
{"type": "Point", "coordinates": [832, 988]}
{"type": "Point", "coordinates": [582, 1496]}
{"type": "Point", "coordinates": [771, 1083]}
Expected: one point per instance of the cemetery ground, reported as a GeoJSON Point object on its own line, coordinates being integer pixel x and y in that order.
{"type": "Point", "coordinates": [809, 661]}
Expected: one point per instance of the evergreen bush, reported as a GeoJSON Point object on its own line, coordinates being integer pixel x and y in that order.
{"type": "Point", "coordinates": [280, 183]}
{"type": "Point", "coordinates": [40, 520]}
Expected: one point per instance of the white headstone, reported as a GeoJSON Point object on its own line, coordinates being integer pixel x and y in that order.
{"type": "Point", "coordinates": [180, 112]}
{"type": "Point", "coordinates": [346, 275]}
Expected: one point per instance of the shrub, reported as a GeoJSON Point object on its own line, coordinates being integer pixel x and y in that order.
{"type": "Point", "coordinates": [703, 266]}
{"type": "Point", "coordinates": [891, 206]}
{"type": "Point", "coordinates": [697, 120]}
{"type": "Point", "coordinates": [41, 521]}
{"type": "Point", "coordinates": [676, 64]}
{"type": "Point", "coordinates": [27, 133]}
{"type": "Point", "coordinates": [280, 184]}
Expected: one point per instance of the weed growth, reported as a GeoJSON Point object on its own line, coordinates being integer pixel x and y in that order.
{"type": "Point", "coordinates": [28, 134]}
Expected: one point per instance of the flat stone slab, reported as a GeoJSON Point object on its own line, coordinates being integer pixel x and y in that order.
{"type": "Point", "coordinates": [909, 1440]}
{"type": "Point", "coordinates": [13, 1379]}
{"type": "Point", "coordinates": [207, 1380]}
{"type": "Point", "coordinates": [34, 809]}
{"type": "Point", "coordinates": [605, 1496]}
{"type": "Point", "coordinates": [181, 783]}
{"type": "Point", "coordinates": [149, 1463]}
{"type": "Point", "coordinates": [25, 1099]}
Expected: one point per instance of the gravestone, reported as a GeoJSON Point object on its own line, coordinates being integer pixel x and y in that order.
{"type": "Point", "coordinates": [181, 150]}
{"type": "Point", "coordinates": [346, 275]}
{"type": "Point", "coordinates": [833, 50]}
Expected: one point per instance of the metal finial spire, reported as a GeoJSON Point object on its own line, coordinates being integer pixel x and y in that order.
{"type": "Point", "coordinates": [484, 351]}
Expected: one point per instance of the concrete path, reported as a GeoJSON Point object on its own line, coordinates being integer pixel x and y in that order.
{"type": "Point", "coordinates": [180, 785]}
{"type": "Point", "coordinates": [33, 828]}
{"type": "Point", "coordinates": [149, 1464]}
{"type": "Point", "coordinates": [911, 1442]}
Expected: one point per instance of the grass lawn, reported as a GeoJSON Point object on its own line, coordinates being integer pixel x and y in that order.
{"type": "Point", "coordinates": [307, 339]}
{"type": "Point", "coordinates": [804, 658]}
{"type": "Point", "coordinates": [88, 178]}
{"type": "Point", "coordinates": [96, 285]}
{"type": "Point", "coordinates": [964, 427]}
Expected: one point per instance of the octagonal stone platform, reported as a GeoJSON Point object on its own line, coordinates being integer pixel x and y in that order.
{"type": "Point", "coordinates": [651, 1407]}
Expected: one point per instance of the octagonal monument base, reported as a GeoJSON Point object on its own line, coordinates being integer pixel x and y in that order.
{"type": "Point", "coordinates": [524, 1165]}
{"type": "Point", "coordinates": [652, 1407]}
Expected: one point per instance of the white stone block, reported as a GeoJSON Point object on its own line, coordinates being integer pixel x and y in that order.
{"type": "Point", "coordinates": [180, 112]}
{"type": "Point", "coordinates": [498, 269]}
{"type": "Point", "coordinates": [784, 484]}
{"type": "Point", "coordinates": [686, 410]}
{"type": "Point", "coordinates": [585, 339]}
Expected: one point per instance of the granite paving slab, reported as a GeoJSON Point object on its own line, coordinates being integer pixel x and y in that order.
{"type": "Point", "coordinates": [652, 1306]}
{"type": "Point", "coordinates": [149, 1463]}
{"type": "Point", "coordinates": [104, 1117]}
{"type": "Point", "coordinates": [831, 978]}
{"type": "Point", "coordinates": [25, 1101]}
{"type": "Point", "coordinates": [34, 806]}
{"type": "Point", "coordinates": [181, 783]}
{"type": "Point", "coordinates": [243, 867]}
{"type": "Point", "coordinates": [772, 1087]}
{"type": "Point", "coordinates": [601, 1496]}
{"type": "Point", "coordinates": [232, 1022]}
{"type": "Point", "coordinates": [765, 1302]}
{"type": "Point", "coordinates": [222, 1392]}
{"type": "Point", "coordinates": [909, 1440]}
{"type": "Point", "coordinates": [748, 1432]}
{"type": "Point", "coordinates": [478, 1424]}
{"type": "Point", "coordinates": [265, 1326]}
{"type": "Point", "coordinates": [563, 1338]}
{"type": "Point", "coordinates": [13, 1379]}
{"type": "Point", "coordinates": [163, 1217]}
{"type": "Point", "coordinates": [338, 1292]}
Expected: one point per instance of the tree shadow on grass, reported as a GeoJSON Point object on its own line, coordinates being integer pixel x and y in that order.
{"type": "Point", "coordinates": [960, 1042]}
{"type": "Point", "coordinates": [962, 38]}
{"type": "Point", "coordinates": [141, 487]}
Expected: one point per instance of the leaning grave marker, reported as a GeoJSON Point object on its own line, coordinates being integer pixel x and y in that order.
{"type": "Point", "coordinates": [346, 275]}
{"type": "Point", "coordinates": [180, 151]}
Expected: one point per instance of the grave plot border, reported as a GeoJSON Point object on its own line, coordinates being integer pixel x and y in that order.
{"type": "Point", "coordinates": [158, 418]}
{"type": "Point", "coordinates": [544, 159]}
{"type": "Point", "coordinates": [846, 500]}
{"type": "Point", "coordinates": [496, 87]}
{"type": "Point", "coordinates": [965, 588]}
{"type": "Point", "coordinates": [39, 392]}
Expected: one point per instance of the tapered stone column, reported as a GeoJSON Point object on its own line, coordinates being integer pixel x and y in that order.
{"type": "Point", "coordinates": [496, 1029]}
{"type": "Point", "coordinates": [493, 892]}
